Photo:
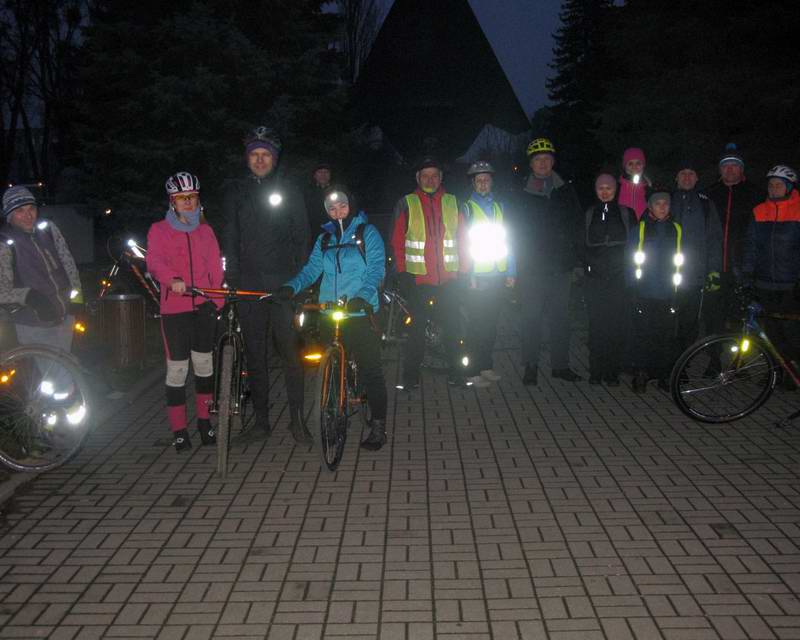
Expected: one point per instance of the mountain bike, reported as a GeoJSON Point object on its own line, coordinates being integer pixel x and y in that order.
{"type": "Point", "coordinates": [722, 378]}
{"type": "Point", "coordinates": [45, 408]}
{"type": "Point", "coordinates": [231, 392]}
{"type": "Point", "coordinates": [338, 394]}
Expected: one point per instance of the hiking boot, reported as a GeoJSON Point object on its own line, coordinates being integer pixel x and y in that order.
{"type": "Point", "coordinates": [258, 429]}
{"type": "Point", "coordinates": [298, 429]}
{"type": "Point", "coordinates": [491, 375]}
{"type": "Point", "coordinates": [640, 382]}
{"type": "Point", "coordinates": [377, 436]}
{"type": "Point", "coordinates": [182, 441]}
{"type": "Point", "coordinates": [566, 374]}
{"type": "Point", "coordinates": [531, 375]}
{"type": "Point", "coordinates": [207, 434]}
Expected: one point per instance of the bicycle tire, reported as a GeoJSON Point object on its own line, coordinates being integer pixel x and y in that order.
{"type": "Point", "coordinates": [329, 415]}
{"type": "Point", "coordinates": [224, 409]}
{"type": "Point", "coordinates": [725, 393]}
{"type": "Point", "coordinates": [42, 427]}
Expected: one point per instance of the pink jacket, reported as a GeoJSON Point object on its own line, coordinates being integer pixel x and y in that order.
{"type": "Point", "coordinates": [633, 196]}
{"type": "Point", "coordinates": [194, 257]}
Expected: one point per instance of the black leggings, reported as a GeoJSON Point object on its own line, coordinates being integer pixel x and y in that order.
{"type": "Point", "coordinates": [359, 339]}
{"type": "Point", "coordinates": [188, 335]}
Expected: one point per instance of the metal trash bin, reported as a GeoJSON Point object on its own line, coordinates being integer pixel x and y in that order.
{"type": "Point", "coordinates": [123, 329]}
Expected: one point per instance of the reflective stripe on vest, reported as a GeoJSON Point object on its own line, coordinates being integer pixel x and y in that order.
{"type": "Point", "coordinates": [677, 259]}
{"type": "Point", "coordinates": [415, 234]}
{"type": "Point", "coordinates": [477, 216]}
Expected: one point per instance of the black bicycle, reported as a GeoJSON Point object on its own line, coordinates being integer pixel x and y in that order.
{"type": "Point", "coordinates": [722, 378]}
{"type": "Point", "coordinates": [231, 397]}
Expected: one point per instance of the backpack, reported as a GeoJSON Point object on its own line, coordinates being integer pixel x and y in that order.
{"type": "Point", "coordinates": [359, 241]}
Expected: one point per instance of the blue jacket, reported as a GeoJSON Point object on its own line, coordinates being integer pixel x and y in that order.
{"type": "Point", "coordinates": [772, 245]}
{"type": "Point", "coordinates": [342, 267]}
{"type": "Point", "coordinates": [660, 243]}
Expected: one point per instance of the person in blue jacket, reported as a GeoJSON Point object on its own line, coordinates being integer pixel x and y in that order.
{"type": "Point", "coordinates": [349, 255]}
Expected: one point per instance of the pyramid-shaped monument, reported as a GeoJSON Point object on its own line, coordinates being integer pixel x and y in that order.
{"type": "Point", "coordinates": [432, 81]}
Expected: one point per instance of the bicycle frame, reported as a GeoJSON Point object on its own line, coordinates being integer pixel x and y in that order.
{"type": "Point", "coordinates": [751, 326]}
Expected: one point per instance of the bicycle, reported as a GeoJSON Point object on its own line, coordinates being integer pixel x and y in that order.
{"type": "Point", "coordinates": [395, 328]}
{"type": "Point", "coordinates": [45, 408]}
{"type": "Point", "coordinates": [725, 377]}
{"type": "Point", "coordinates": [338, 395]}
{"type": "Point", "coordinates": [231, 392]}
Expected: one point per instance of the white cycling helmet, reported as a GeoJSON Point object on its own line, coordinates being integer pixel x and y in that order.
{"type": "Point", "coordinates": [784, 172]}
{"type": "Point", "coordinates": [182, 182]}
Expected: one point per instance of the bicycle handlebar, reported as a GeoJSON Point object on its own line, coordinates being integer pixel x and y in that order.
{"type": "Point", "coordinates": [229, 293]}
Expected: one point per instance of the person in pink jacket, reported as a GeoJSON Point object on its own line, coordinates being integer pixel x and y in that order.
{"type": "Point", "coordinates": [633, 183]}
{"type": "Point", "coordinates": [182, 252]}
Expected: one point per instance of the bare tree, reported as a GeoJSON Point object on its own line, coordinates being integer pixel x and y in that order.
{"type": "Point", "coordinates": [360, 29]}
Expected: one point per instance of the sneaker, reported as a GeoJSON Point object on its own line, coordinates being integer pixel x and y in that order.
{"type": "Point", "coordinates": [566, 374]}
{"type": "Point", "coordinates": [479, 382]}
{"type": "Point", "coordinates": [207, 434]}
{"type": "Point", "coordinates": [377, 436]}
{"type": "Point", "coordinates": [457, 380]}
{"type": "Point", "coordinates": [531, 375]}
{"type": "Point", "coordinates": [255, 430]}
{"type": "Point", "coordinates": [182, 440]}
{"type": "Point", "coordinates": [491, 375]}
{"type": "Point", "coordinates": [640, 382]}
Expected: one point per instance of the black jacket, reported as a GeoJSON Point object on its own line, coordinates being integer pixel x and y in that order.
{"type": "Point", "coordinates": [735, 208]}
{"type": "Point", "coordinates": [606, 230]}
{"type": "Point", "coordinates": [264, 243]}
{"type": "Point", "coordinates": [545, 231]}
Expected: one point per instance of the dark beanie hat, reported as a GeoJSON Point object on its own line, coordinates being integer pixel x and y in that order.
{"type": "Point", "coordinates": [731, 154]}
{"type": "Point", "coordinates": [658, 192]}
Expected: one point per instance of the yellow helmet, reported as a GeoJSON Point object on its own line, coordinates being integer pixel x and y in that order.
{"type": "Point", "coordinates": [540, 145]}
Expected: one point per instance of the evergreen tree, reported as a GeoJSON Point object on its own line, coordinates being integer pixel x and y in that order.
{"type": "Point", "coordinates": [689, 77]}
{"type": "Point", "coordinates": [577, 88]}
{"type": "Point", "coordinates": [175, 86]}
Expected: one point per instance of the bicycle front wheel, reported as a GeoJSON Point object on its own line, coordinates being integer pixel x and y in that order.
{"type": "Point", "coordinates": [723, 378]}
{"type": "Point", "coordinates": [329, 415]}
{"type": "Point", "coordinates": [224, 408]}
{"type": "Point", "coordinates": [44, 408]}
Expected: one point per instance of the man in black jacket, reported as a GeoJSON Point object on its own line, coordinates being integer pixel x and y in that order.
{"type": "Point", "coordinates": [735, 198]}
{"type": "Point", "coordinates": [265, 242]}
{"type": "Point", "coordinates": [546, 227]}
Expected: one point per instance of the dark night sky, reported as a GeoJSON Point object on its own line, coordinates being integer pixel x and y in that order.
{"type": "Point", "coordinates": [521, 34]}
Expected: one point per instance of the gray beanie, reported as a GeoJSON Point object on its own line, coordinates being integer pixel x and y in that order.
{"type": "Point", "coordinates": [16, 197]}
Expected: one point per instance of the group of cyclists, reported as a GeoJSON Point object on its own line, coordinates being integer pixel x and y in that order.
{"type": "Point", "coordinates": [657, 262]}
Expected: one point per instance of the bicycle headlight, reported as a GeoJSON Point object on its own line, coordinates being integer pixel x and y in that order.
{"type": "Point", "coordinates": [338, 316]}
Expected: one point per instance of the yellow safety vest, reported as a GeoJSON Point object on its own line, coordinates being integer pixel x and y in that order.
{"type": "Point", "coordinates": [677, 259]}
{"type": "Point", "coordinates": [477, 216]}
{"type": "Point", "coordinates": [415, 234]}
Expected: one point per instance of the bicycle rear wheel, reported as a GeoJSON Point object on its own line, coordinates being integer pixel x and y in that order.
{"type": "Point", "coordinates": [723, 378]}
{"type": "Point", "coordinates": [329, 415]}
{"type": "Point", "coordinates": [224, 409]}
{"type": "Point", "coordinates": [44, 408]}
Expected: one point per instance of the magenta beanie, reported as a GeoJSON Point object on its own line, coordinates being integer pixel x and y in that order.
{"type": "Point", "coordinates": [605, 179]}
{"type": "Point", "coordinates": [632, 153]}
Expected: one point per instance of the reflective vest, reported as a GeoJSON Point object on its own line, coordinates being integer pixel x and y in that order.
{"type": "Point", "coordinates": [478, 217]}
{"type": "Point", "coordinates": [415, 234]}
{"type": "Point", "coordinates": [677, 259]}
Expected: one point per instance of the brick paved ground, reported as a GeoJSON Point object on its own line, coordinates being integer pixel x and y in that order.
{"type": "Point", "coordinates": [561, 512]}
